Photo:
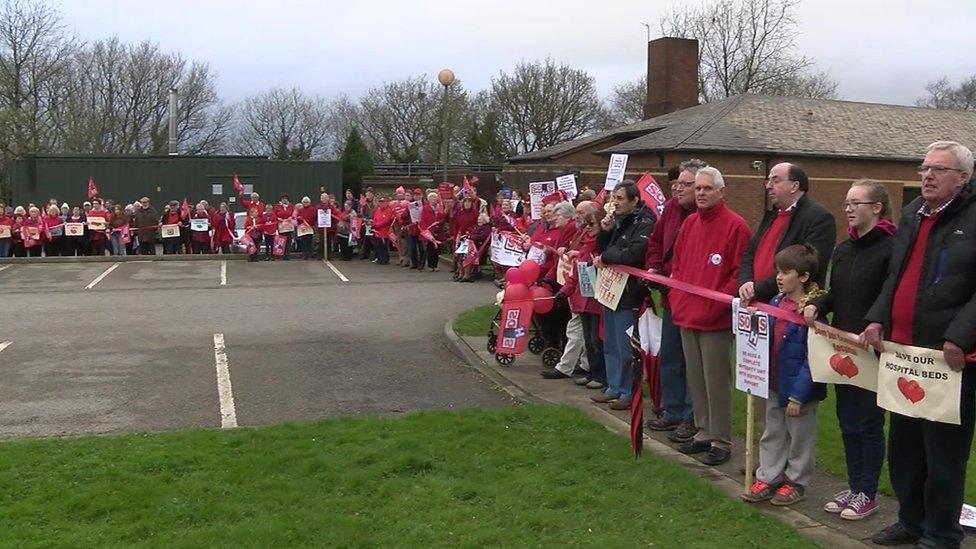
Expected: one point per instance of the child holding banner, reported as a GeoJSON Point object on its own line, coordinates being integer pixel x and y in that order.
{"type": "Point", "coordinates": [787, 445]}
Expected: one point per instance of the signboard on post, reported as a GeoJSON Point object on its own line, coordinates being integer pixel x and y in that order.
{"type": "Point", "coordinates": [615, 172]}
{"type": "Point", "coordinates": [567, 184]}
{"type": "Point", "coordinates": [537, 191]}
{"type": "Point", "coordinates": [751, 351]}
{"type": "Point", "coordinates": [324, 219]}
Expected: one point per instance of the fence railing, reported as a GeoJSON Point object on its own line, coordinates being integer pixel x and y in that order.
{"type": "Point", "coordinates": [416, 169]}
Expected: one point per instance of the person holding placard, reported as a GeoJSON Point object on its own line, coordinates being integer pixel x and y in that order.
{"type": "Point", "coordinates": [308, 218]}
{"type": "Point", "coordinates": [6, 233]}
{"type": "Point", "coordinates": [432, 218]}
{"type": "Point", "coordinates": [622, 241]}
{"type": "Point", "coordinates": [200, 230]}
{"type": "Point", "coordinates": [284, 212]}
{"type": "Point", "coordinates": [98, 219]}
{"type": "Point", "coordinates": [382, 222]}
{"type": "Point", "coordinates": [173, 217]}
{"type": "Point", "coordinates": [326, 220]}
{"type": "Point", "coordinates": [929, 300]}
{"type": "Point", "coordinates": [54, 232]}
{"type": "Point", "coordinates": [790, 436]}
{"type": "Point", "coordinates": [32, 232]}
{"type": "Point", "coordinates": [253, 231]}
{"type": "Point", "coordinates": [858, 269]}
{"type": "Point", "coordinates": [119, 222]}
{"type": "Point", "coordinates": [74, 232]}
{"type": "Point", "coordinates": [702, 259]}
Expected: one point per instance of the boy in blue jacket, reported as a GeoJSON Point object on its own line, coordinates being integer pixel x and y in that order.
{"type": "Point", "coordinates": [788, 442]}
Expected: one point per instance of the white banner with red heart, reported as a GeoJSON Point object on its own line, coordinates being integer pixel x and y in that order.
{"type": "Point", "coordinates": [838, 357]}
{"type": "Point", "coordinates": [917, 382]}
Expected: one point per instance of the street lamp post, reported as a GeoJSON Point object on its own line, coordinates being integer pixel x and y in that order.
{"type": "Point", "coordinates": [446, 78]}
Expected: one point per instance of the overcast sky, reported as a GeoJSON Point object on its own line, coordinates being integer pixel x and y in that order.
{"type": "Point", "coordinates": [877, 50]}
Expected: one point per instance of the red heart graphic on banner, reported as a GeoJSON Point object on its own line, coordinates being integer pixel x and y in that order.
{"type": "Point", "coordinates": [911, 390]}
{"type": "Point", "coordinates": [844, 365]}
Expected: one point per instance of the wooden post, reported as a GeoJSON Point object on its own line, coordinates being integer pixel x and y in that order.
{"type": "Point", "coordinates": [750, 411]}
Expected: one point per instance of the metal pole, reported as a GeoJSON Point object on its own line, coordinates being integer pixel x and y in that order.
{"type": "Point", "coordinates": [172, 122]}
{"type": "Point", "coordinates": [444, 131]}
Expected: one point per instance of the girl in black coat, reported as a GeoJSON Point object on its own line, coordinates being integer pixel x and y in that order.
{"type": "Point", "coordinates": [859, 267]}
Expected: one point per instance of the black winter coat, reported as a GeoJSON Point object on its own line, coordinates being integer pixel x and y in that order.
{"type": "Point", "coordinates": [626, 244]}
{"type": "Point", "coordinates": [857, 273]}
{"type": "Point", "coordinates": [810, 223]}
{"type": "Point", "coordinates": [945, 305]}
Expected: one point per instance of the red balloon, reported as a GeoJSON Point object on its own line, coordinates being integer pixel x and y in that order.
{"type": "Point", "coordinates": [530, 271]}
{"type": "Point", "coordinates": [514, 276]}
{"type": "Point", "coordinates": [541, 306]}
{"type": "Point", "coordinates": [517, 292]}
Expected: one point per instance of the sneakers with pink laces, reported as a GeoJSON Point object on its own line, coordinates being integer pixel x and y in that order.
{"type": "Point", "coordinates": [840, 501]}
{"type": "Point", "coordinates": [859, 507]}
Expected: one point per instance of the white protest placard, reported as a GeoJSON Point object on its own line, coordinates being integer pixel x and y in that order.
{"type": "Point", "coordinates": [304, 229]}
{"type": "Point", "coordinates": [838, 357]}
{"type": "Point", "coordinates": [96, 223]}
{"type": "Point", "coordinates": [4, 231]}
{"type": "Point", "coordinates": [55, 230]}
{"type": "Point", "coordinates": [751, 350]}
{"type": "Point", "coordinates": [217, 188]}
{"type": "Point", "coordinates": [615, 171]}
{"type": "Point", "coordinates": [565, 269]}
{"type": "Point", "coordinates": [325, 219]}
{"type": "Point", "coordinates": [506, 249]}
{"type": "Point", "coordinates": [462, 247]}
{"type": "Point", "coordinates": [285, 226]}
{"type": "Point", "coordinates": [415, 208]}
{"type": "Point", "coordinates": [587, 279]}
{"type": "Point", "coordinates": [248, 188]}
{"type": "Point", "coordinates": [610, 285]}
{"type": "Point", "coordinates": [917, 382]}
{"type": "Point", "coordinates": [567, 184]}
{"type": "Point", "coordinates": [200, 225]}
{"type": "Point", "coordinates": [74, 229]}
{"type": "Point", "coordinates": [537, 254]}
{"type": "Point", "coordinates": [169, 231]}
{"type": "Point", "coordinates": [537, 191]}
{"type": "Point", "coordinates": [967, 518]}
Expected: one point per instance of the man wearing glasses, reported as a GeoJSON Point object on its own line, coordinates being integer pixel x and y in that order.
{"type": "Point", "coordinates": [929, 300]}
{"type": "Point", "coordinates": [794, 219]}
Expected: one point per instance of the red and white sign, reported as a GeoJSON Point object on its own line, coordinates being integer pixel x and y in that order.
{"type": "Point", "coordinates": [917, 382]}
{"type": "Point", "coordinates": [838, 357]}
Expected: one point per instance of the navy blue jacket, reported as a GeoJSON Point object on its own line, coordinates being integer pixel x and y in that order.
{"type": "Point", "coordinates": [793, 365]}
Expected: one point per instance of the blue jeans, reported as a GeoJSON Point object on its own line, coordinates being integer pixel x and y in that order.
{"type": "Point", "coordinates": [862, 429]}
{"type": "Point", "coordinates": [118, 248]}
{"type": "Point", "coordinates": [618, 353]}
{"type": "Point", "coordinates": [5, 247]}
{"type": "Point", "coordinates": [675, 396]}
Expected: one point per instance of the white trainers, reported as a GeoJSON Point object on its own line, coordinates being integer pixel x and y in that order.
{"type": "Point", "coordinates": [594, 385]}
{"type": "Point", "coordinates": [840, 501]}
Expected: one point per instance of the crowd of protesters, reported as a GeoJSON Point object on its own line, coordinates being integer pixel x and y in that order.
{"type": "Point", "coordinates": [913, 284]}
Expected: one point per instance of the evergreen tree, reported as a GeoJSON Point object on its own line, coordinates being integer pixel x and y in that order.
{"type": "Point", "coordinates": [356, 162]}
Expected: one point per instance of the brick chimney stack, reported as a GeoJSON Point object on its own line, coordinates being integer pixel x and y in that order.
{"type": "Point", "coordinates": [672, 75]}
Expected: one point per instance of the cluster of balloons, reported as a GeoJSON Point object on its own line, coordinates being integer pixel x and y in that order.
{"type": "Point", "coordinates": [518, 289]}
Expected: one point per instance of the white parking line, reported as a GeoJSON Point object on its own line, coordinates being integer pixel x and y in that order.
{"type": "Point", "coordinates": [341, 276]}
{"type": "Point", "coordinates": [101, 276]}
{"type": "Point", "coordinates": [223, 272]}
{"type": "Point", "coordinates": [5, 267]}
{"type": "Point", "coordinates": [228, 415]}
{"type": "Point", "coordinates": [5, 344]}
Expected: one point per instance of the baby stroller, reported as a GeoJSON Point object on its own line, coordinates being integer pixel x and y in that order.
{"type": "Point", "coordinates": [551, 350]}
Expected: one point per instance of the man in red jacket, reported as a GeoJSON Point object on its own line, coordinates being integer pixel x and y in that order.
{"type": "Point", "coordinates": [675, 396]}
{"type": "Point", "coordinates": [707, 254]}
{"type": "Point", "coordinates": [382, 221]}
{"type": "Point", "coordinates": [284, 212]}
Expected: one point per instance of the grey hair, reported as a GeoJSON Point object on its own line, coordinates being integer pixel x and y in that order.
{"type": "Point", "coordinates": [716, 176]}
{"type": "Point", "coordinates": [964, 156]}
{"type": "Point", "coordinates": [564, 209]}
{"type": "Point", "coordinates": [692, 165]}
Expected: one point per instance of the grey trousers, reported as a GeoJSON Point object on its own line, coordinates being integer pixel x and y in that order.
{"type": "Point", "coordinates": [575, 351]}
{"type": "Point", "coordinates": [708, 369]}
{"type": "Point", "coordinates": [787, 444]}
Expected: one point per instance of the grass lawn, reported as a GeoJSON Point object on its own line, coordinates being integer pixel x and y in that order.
{"type": "Point", "coordinates": [474, 322]}
{"type": "Point", "coordinates": [522, 476]}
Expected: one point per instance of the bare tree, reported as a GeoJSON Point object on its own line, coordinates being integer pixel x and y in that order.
{"type": "Point", "coordinates": [284, 124]}
{"type": "Point", "coordinates": [943, 96]}
{"type": "Point", "coordinates": [344, 115]}
{"type": "Point", "coordinates": [627, 102]}
{"type": "Point", "coordinates": [35, 54]}
{"type": "Point", "coordinates": [748, 46]}
{"type": "Point", "coordinates": [543, 103]}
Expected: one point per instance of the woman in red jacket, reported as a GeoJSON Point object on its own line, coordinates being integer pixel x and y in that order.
{"type": "Point", "coordinates": [7, 237]}
{"type": "Point", "coordinates": [32, 232]}
{"type": "Point", "coordinates": [382, 223]}
{"type": "Point", "coordinates": [223, 226]}
{"type": "Point", "coordinates": [431, 222]}
{"type": "Point", "coordinates": [98, 219]}
{"type": "Point", "coordinates": [200, 230]}
{"type": "Point", "coordinates": [253, 230]}
{"type": "Point", "coordinates": [53, 231]}
{"type": "Point", "coordinates": [269, 228]}
{"type": "Point", "coordinates": [308, 218]}
{"type": "Point", "coordinates": [284, 212]}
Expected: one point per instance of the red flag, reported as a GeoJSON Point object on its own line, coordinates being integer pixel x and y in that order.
{"type": "Point", "coordinates": [651, 194]}
{"type": "Point", "coordinates": [466, 186]}
{"type": "Point", "coordinates": [185, 208]}
{"type": "Point", "coordinates": [600, 197]}
{"type": "Point", "coordinates": [92, 189]}
{"type": "Point", "coordinates": [237, 185]}
{"type": "Point", "coordinates": [645, 367]}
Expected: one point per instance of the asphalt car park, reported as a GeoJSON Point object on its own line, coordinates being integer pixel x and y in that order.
{"type": "Point", "coordinates": [133, 346]}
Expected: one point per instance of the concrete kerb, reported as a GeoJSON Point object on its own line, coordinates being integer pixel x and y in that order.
{"type": "Point", "coordinates": [804, 524]}
{"type": "Point", "coordinates": [126, 258]}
